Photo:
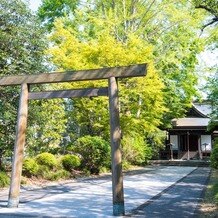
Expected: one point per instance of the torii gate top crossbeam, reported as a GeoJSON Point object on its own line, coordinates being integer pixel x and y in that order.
{"type": "Point", "coordinates": [82, 75]}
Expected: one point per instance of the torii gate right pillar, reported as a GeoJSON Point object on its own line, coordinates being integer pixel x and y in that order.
{"type": "Point", "coordinates": [116, 156]}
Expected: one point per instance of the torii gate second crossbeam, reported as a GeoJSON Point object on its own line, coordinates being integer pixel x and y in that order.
{"type": "Point", "coordinates": [111, 74]}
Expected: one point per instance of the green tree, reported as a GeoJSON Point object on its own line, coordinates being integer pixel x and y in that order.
{"type": "Point", "coordinates": [47, 121]}
{"type": "Point", "coordinates": [211, 6]}
{"type": "Point", "coordinates": [214, 156]}
{"type": "Point", "coordinates": [22, 45]}
{"type": "Point", "coordinates": [212, 87]}
{"type": "Point", "coordinates": [142, 106]}
{"type": "Point", "coordinates": [168, 27]}
{"type": "Point", "coordinates": [209, 25]}
{"type": "Point", "coordinates": [21, 52]}
{"type": "Point", "coordinates": [109, 33]}
{"type": "Point", "coordinates": [50, 10]}
{"type": "Point", "coordinates": [173, 38]}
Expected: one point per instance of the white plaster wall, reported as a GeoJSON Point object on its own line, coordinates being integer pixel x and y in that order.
{"type": "Point", "coordinates": [174, 141]}
{"type": "Point", "coordinates": [206, 139]}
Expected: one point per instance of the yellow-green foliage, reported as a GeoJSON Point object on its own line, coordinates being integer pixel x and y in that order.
{"type": "Point", "coordinates": [135, 149]}
{"type": "Point", "coordinates": [47, 160]}
{"type": "Point", "coordinates": [70, 162]}
{"type": "Point", "coordinates": [142, 103]}
{"type": "Point", "coordinates": [30, 167]}
{"type": "Point", "coordinates": [71, 53]}
{"type": "Point", "coordinates": [45, 166]}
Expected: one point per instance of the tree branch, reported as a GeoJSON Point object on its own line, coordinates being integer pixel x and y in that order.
{"type": "Point", "coordinates": [207, 9]}
{"type": "Point", "coordinates": [214, 20]}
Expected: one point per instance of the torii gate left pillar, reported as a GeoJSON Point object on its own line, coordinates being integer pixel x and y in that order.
{"type": "Point", "coordinates": [19, 148]}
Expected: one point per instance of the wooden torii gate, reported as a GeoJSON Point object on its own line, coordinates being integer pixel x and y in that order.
{"type": "Point", "coordinates": [111, 74]}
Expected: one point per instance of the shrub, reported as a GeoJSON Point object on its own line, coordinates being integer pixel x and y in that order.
{"type": "Point", "coordinates": [214, 156]}
{"type": "Point", "coordinates": [70, 162]}
{"type": "Point", "coordinates": [60, 174]}
{"type": "Point", "coordinates": [30, 167]}
{"type": "Point", "coordinates": [4, 179]}
{"type": "Point", "coordinates": [126, 165]}
{"type": "Point", "coordinates": [46, 173]}
{"type": "Point", "coordinates": [46, 159]}
{"type": "Point", "coordinates": [43, 171]}
{"type": "Point", "coordinates": [95, 153]}
{"type": "Point", "coordinates": [135, 150]}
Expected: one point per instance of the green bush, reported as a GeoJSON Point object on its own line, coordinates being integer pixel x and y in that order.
{"type": "Point", "coordinates": [95, 153]}
{"type": "Point", "coordinates": [4, 179]}
{"type": "Point", "coordinates": [46, 159]}
{"type": "Point", "coordinates": [43, 171]}
{"type": "Point", "coordinates": [214, 156]}
{"type": "Point", "coordinates": [60, 174]}
{"type": "Point", "coordinates": [126, 165]}
{"type": "Point", "coordinates": [135, 150]}
{"type": "Point", "coordinates": [52, 174]}
{"type": "Point", "coordinates": [70, 162]}
{"type": "Point", "coordinates": [30, 167]}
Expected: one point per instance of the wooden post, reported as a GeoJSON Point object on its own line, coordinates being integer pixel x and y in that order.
{"type": "Point", "coordinates": [14, 192]}
{"type": "Point", "coordinates": [115, 136]}
{"type": "Point", "coordinates": [171, 151]}
{"type": "Point", "coordinates": [188, 156]}
{"type": "Point", "coordinates": [199, 147]}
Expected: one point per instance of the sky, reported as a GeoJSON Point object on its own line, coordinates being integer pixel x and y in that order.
{"type": "Point", "coordinates": [34, 4]}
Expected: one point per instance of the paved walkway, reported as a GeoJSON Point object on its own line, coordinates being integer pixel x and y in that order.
{"type": "Point", "coordinates": [179, 200]}
{"type": "Point", "coordinates": [93, 197]}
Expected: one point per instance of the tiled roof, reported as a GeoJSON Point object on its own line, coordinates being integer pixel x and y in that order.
{"type": "Point", "coordinates": [203, 108]}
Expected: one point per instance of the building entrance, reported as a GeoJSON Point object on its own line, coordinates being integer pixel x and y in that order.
{"type": "Point", "coordinates": [188, 142]}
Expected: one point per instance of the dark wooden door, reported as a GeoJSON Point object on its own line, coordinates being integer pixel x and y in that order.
{"type": "Point", "coordinates": [183, 142]}
{"type": "Point", "coordinates": [193, 142]}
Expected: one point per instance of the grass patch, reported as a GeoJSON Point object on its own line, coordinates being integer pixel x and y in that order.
{"type": "Point", "coordinates": [209, 205]}
{"type": "Point", "coordinates": [215, 191]}
{"type": "Point", "coordinates": [4, 180]}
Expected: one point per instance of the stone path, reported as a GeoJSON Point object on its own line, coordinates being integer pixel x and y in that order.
{"type": "Point", "coordinates": [180, 200]}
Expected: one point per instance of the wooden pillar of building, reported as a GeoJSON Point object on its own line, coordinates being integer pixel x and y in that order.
{"type": "Point", "coordinates": [14, 192]}
{"type": "Point", "coordinates": [188, 152]}
{"type": "Point", "coordinates": [199, 147]}
{"type": "Point", "coordinates": [115, 136]}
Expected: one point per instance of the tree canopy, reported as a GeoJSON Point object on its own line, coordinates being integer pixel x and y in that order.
{"type": "Point", "coordinates": [50, 10]}
{"type": "Point", "coordinates": [107, 33]}
{"type": "Point", "coordinates": [21, 52]}
{"type": "Point", "coordinates": [136, 94]}
{"type": "Point", "coordinates": [167, 28]}
{"type": "Point", "coordinates": [22, 45]}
